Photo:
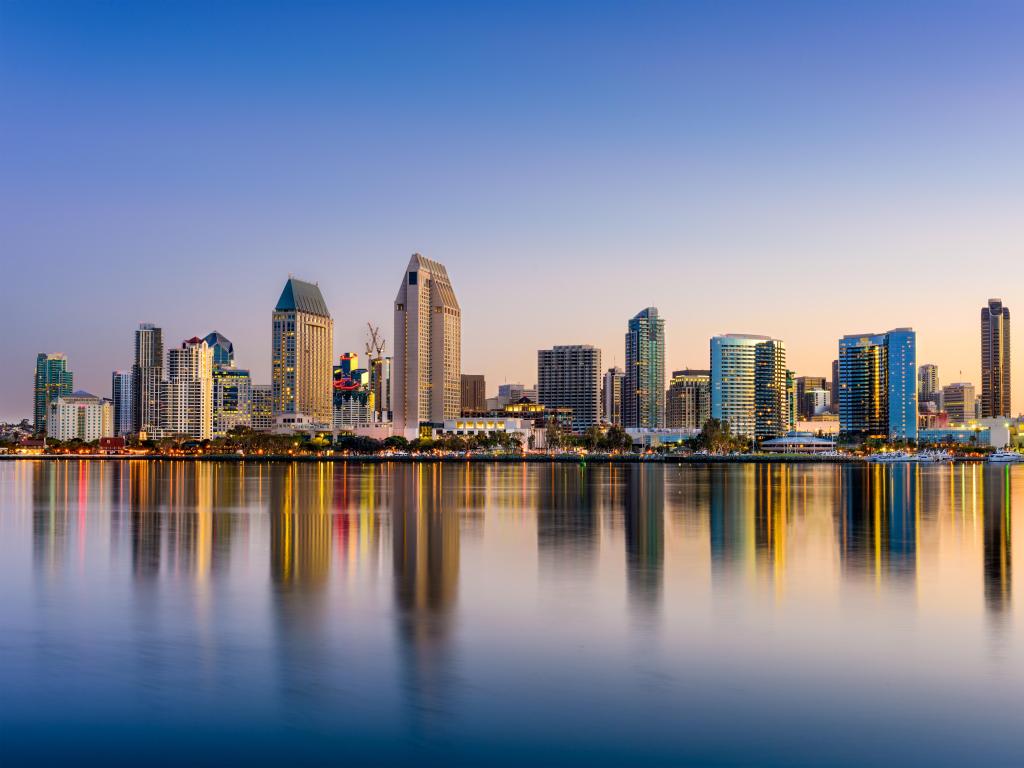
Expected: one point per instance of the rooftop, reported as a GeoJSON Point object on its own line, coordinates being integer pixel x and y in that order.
{"type": "Point", "coordinates": [300, 296]}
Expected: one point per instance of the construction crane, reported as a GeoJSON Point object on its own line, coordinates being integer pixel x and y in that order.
{"type": "Point", "coordinates": [375, 346]}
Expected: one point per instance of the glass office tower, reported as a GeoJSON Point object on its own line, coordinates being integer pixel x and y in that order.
{"type": "Point", "coordinates": [878, 385]}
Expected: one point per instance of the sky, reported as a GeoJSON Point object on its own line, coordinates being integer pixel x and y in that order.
{"type": "Point", "coordinates": [797, 169]}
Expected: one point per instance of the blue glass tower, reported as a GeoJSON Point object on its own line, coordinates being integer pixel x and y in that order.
{"type": "Point", "coordinates": [878, 385]}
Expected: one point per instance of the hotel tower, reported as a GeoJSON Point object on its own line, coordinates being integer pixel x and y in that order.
{"type": "Point", "coordinates": [302, 352]}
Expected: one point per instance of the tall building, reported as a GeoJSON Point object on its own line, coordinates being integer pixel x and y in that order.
{"type": "Point", "coordinates": [643, 392]}
{"type": "Point", "coordinates": [147, 379]}
{"type": "Point", "coordinates": [805, 384]}
{"type": "Point", "coordinates": [52, 380]}
{"type": "Point", "coordinates": [927, 383]}
{"type": "Point", "coordinates": [835, 387]}
{"type": "Point", "coordinates": [232, 398]}
{"type": "Point", "coordinates": [380, 384]}
{"type": "Point", "coordinates": [80, 416]}
{"type": "Point", "coordinates": [791, 412]}
{"type": "Point", "coordinates": [958, 401]}
{"type": "Point", "coordinates": [570, 377]}
{"type": "Point", "coordinates": [223, 349]}
{"type": "Point", "coordinates": [261, 413]}
{"type": "Point", "coordinates": [878, 385]}
{"type": "Point", "coordinates": [121, 393]}
{"type": "Point", "coordinates": [995, 360]}
{"type": "Point", "coordinates": [188, 391]}
{"type": "Point", "coordinates": [749, 388]}
{"type": "Point", "coordinates": [426, 383]}
{"type": "Point", "coordinates": [688, 400]}
{"type": "Point", "coordinates": [352, 395]}
{"type": "Point", "coordinates": [474, 393]}
{"type": "Point", "coordinates": [302, 352]}
{"type": "Point", "coordinates": [611, 395]}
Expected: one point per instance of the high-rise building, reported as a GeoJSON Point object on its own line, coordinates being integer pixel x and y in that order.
{"type": "Point", "coordinates": [52, 380]}
{"type": "Point", "coordinates": [302, 352]}
{"type": "Point", "coordinates": [353, 401]}
{"type": "Point", "coordinates": [835, 387]}
{"type": "Point", "coordinates": [878, 385]}
{"type": "Point", "coordinates": [426, 383]}
{"type": "Point", "coordinates": [262, 408]}
{"type": "Point", "coordinates": [688, 400]}
{"type": "Point", "coordinates": [995, 360]}
{"type": "Point", "coordinates": [232, 398]}
{"type": "Point", "coordinates": [188, 392]}
{"type": "Point", "coordinates": [80, 416]}
{"type": "Point", "coordinates": [611, 396]}
{"type": "Point", "coordinates": [147, 379]}
{"type": "Point", "coordinates": [380, 384]}
{"type": "Point", "coordinates": [805, 384]}
{"type": "Point", "coordinates": [928, 387]}
{"type": "Point", "coordinates": [643, 392]}
{"type": "Point", "coordinates": [570, 377]}
{"type": "Point", "coordinates": [223, 349]}
{"type": "Point", "coordinates": [791, 412]}
{"type": "Point", "coordinates": [121, 393]}
{"type": "Point", "coordinates": [749, 388]}
{"type": "Point", "coordinates": [474, 393]}
{"type": "Point", "coordinates": [958, 401]}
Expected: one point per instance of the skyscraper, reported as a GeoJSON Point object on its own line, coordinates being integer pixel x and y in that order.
{"type": "Point", "coordinates": [927, 383]}
{"type": "Point", "coordinates": [232, 397]}
{"type": "Point", "coordinates": [426, 383]}
{"type": "Point", "coordinates": [570, 377]}
{"type": "Point", "coordinates": [302, 352]}
{"type": "Point", "coordinates": [834, 393]}
{"type": "Point", "coordinates": [52, 380]}
{"type": "Point", "coordinates": [611, 395]}
{"type": "Point", "coordinates": [878, 385]}
{"type": "Point", "coordinates": [749, 387]}
{"type": "Point", "coordinates": [643, 392]}
{"type": "Point", "coordinates": [805, 384]}
{"type": "Point", "coordinates": [995, 360]}
{"type": "Point", "coordinates": [188, 391]}
{"type": "Point", "coordinates": [121, 394]}
{"type": "Point", "coordinates": [223, 349]}
{"type": "Point", "coordinates": [474, 393]}
{"type": "Point", "coordinates": [688, 400]}
{"type": "Point", "coordinates": [147, 379]}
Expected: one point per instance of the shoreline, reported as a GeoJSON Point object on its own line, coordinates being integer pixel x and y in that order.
{"type": "Point", "coordinates": [524, 459]}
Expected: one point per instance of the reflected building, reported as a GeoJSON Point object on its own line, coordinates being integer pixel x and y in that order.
{"type": "Point", "coordinates": [644, 523]}
{"type": "Point", "coordinates": [300, 525]}
{"type": "Point", "coordinates": [568, 524]}
{"type": "Point", "coordinates": [878, 519]}
{"type": "Point", "coordinates": [997, 543]}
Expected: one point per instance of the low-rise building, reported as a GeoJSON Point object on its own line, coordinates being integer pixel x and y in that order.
{"type": "Point", "coordinates": [80, 416]}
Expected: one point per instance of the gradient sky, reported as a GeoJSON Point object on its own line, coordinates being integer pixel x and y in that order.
{"type": "Point", "coordinates": [803, 170]}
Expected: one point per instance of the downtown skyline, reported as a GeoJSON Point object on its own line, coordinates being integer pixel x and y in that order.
{"type": "Point", "coordinates": [754, 193]}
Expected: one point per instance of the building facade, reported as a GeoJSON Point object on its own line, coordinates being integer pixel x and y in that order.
{"type": "Point", "coordinates": [643, 391]}
{"type": "Point", "coordinates": [749, 387]}
{"type": "Point", "coordinates": [474, 393]}
{"type": "Point", "coordinates": [52, 380]}
{"type": "Point", "coordinates": [612, 384]}
{"type": "Point", "coordinates": [426, 380]}
{"type": "Point", "coordinates": [958, 401]}
{"type": "Point", "coordinates": [380, 383]}
{"type": "Point", "coordinates": [261, 414]}
{"type": "Point", "coordinates": [878, 385]}
{"type": "Point", "coordinates": [570, 377]}
{"type": "Point", "coordinates": [222, 348]}
{"type": "Point", "coordinates": [80, 416]}
{"type": "Point", "coordinates": [688, 400]}
{"type": "Point", "coordinates": [928, 388]}
{"type": "Point", "coordinates": [147, 379]}
{"type": "Point", "coordinates": [302, 352]}
{"type": "Point", "coordinates": [232, 398]}
{"type": "Point", "coordinates": [995, 360]}
{"type": "Point", "coordinates": [188, 391]}
{"type": "Point", "coordinates": [353, 402]}
{"type": "Point", "coordinates": [121, 393]}
{"type": "Point", "coordinates": [805, 384]}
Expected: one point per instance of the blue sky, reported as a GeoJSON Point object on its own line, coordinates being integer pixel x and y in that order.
{"type": "Point", "coordinates": [798, 169]}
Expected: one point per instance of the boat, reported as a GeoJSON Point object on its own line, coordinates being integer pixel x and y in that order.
{"type": "Point", "coordinates": [933, 456]}
{"type": "Point", "coordinates": [1006, 457]}
{"type": "Point", "coordinates": [890, 457]}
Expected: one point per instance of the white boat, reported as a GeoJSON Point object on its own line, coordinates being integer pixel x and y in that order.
{"type": "Point", "coordinates": [1006, 457]}
{"type": "Point", "coordinates": [933, 456]}
{"type": "Point", "coordinates": [890, 457]}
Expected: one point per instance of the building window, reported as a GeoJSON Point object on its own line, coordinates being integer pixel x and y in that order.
{"type": "Point", "coordinates": [412, 278]}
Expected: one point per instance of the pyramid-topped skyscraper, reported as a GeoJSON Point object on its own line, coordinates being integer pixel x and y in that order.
{"type": "Point", "coordinates": [302, 349]}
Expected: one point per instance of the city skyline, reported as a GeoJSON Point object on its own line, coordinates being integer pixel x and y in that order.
{"type": "Point", "coordinates": [699, 141]}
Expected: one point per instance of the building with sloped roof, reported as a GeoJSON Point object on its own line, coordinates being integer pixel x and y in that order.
{"type": "Point", "coordinates": [302, 352]}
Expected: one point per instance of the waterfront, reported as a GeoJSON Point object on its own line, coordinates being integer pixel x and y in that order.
{"type": "Point", "coordinates": [196, 612]}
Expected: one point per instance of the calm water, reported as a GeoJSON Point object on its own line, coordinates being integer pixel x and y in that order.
{"type": "Point", "coordinates": [188, 613]}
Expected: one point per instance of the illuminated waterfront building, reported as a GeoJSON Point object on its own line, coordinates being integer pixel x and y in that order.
{"type": "Point", "coordinates": [147, 379]}
{"type": "Point", "coordinates": [749, 385]}
{"type": "Point", "coordinates": [643, 391]}
{"type": "Point", "coordinates": [302, 351]}
{"type": "Point", "coordinates": [261, 412]}
{"type": "Point", "coordinates": [121, 392]}
{"type": "Point", "coordinates": [52, 380]}
{"type": "Point", "coordinates": [958, 401]}
{"type": "Point", "coordinates": [426, 379]}
{"type": "Point", "coordinates": [380, 383]}
{"type": "Point", "coordinates": [611, 396]}
{"type": "Point", "coordinates": [878, 385]}
{"type": "Point", "coordinates": [474, 394]}
{"type": "Point", "coordinates": [188, 391]}
{"type": "Point", "coordinates": [688, 400]}
{"type": "Point", "coordinates": [805, 384]}
{"type": "Point", "coordinates": [232, 398]}
{"type": "Point", "coordinates": [570, 377]}
{"type": "Point", "coordinates": [928, 388]}
{"type": "Point", "coordinates": [80, 416]}
{"type": "Point", "coordinates": [995, 360]}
